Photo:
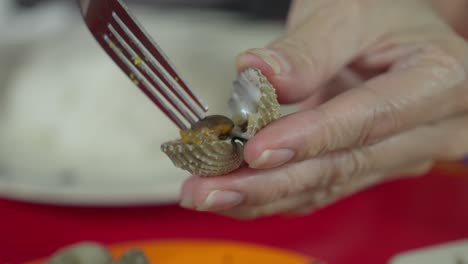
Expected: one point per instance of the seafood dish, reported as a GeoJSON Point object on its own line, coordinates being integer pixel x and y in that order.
{"type": "Point", "coordinates": [214, 145]}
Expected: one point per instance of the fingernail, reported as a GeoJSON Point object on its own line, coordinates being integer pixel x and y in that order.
{"type": "Point", "coordinates": [272, 158]}
{"type": "Point", "coordinates": [269, 58]}
{"type": "Point", "coordinates": [221, 200]}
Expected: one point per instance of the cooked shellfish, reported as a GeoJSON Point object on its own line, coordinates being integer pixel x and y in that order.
{"type": "Point", "coordinates": [214, 146]}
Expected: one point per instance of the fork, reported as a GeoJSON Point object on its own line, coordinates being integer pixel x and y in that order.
{"type": "Point", "coordinates": [142, 60]}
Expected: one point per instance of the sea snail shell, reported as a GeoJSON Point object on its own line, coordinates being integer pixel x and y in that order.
{"type": "Point", "coordinates": [214, 146]}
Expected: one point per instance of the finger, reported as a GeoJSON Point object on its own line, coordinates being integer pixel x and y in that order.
{"type": "Point", "coordinates": [252, 187]}
{"type": "Point", "coordinates": [306, 57]}
{"type": "Point", "coordinates": [416, 170]}
{"type": "Point", "coordinates": [352, 76]}
{"type": "Point", "coordinates": [455, 145]}
{"type": "Point", "coordinates": [214, 193]}
{"type": "Point", "coordinates": [304, 202]}
{"type": "Point", "coordinates": [276, 207]}
{"type": "Point", "coordinates": [360, 183]}
{"type": "Point", "coordinates": [343, 81]}
{"type": "Point", "coordinates": [297, 13]}
{"type": "Point", "coordinates": [249, 187]}
{"type": "Point", "coordinates": [307, 202]}
{"type": "Point", "coordinates": [430, 86]}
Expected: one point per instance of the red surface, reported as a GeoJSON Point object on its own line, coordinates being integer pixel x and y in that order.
{"type": "Point", "coordinates": [367, 228]}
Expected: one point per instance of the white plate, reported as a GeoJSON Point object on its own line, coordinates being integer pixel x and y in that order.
{"type": "Point", "coordinates": [74, 130]}
{"type": "Point", "coordinates": [453, 252]}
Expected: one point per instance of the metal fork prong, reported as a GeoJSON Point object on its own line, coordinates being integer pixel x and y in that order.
{"type": "Point", "coordinates": [153, 78]}
{"type": "Point", "coordinates": [153, 49]}
{"type": "Point", "coordinates": [156, 67]}
{"type": "Point", "coordinates": [142, 82]}
{"type": "Point", "coordinates": [143, 61]}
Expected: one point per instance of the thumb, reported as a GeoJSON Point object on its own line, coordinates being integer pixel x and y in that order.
{"type": "Point", "coordinates": [308, 55]}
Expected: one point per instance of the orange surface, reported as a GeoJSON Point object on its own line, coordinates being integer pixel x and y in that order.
{"type": "Point", "coordinates": [208, 252]}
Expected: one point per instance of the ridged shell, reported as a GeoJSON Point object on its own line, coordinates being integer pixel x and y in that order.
{"type": "Point", "coordinates": [207, 159]}
{"type": "Point", "coordinates": [253, 104]}
{"type": "Point", "coordinates": [268, 108]}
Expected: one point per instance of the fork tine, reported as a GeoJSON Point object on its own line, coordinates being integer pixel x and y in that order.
{"type": "Point", "coordinates": [152, 66]}
{"type": "Point", "coordinates": [170, 108]}
{"type": "Point", "coordinates": [121, 13]}
{"type": "Point", "coordinates": [142, 60]}
{"type": "Point", "coordinates": [153, 77]}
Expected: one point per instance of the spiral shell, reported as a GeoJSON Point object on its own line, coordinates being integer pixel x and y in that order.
{"type": "Point", "coordinates": [215, 145]}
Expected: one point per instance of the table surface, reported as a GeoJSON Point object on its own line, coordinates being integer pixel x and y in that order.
{"type": "Point", "coordinates": [368, 227]}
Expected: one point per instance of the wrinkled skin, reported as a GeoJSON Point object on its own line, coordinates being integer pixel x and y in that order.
{"type": "Point", "coordinates": [383, 92]}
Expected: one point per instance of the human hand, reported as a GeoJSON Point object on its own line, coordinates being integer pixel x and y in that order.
{"type": "Point", "coordinates": [383, 92]}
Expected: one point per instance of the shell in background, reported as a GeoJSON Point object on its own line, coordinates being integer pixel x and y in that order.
{"type": "Point", "coordinates": [94, 253]}
{"type": "Point", "coordinates": [134, 256]}
{"type": "Point", "coordinates": [253, 104]}
{"type": "Point", "coordinates": [81, 253]}
{"type": "Point", "coordinates": [210, 158]}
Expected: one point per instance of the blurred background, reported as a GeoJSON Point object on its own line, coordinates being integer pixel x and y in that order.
{"type": "Point", "coordinates": [74, 130]}
{"type": "Point", "coordinates": [76, 134]}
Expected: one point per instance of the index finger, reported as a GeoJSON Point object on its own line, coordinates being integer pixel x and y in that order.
{"type": "Point", "coordinates": [430, 89]}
